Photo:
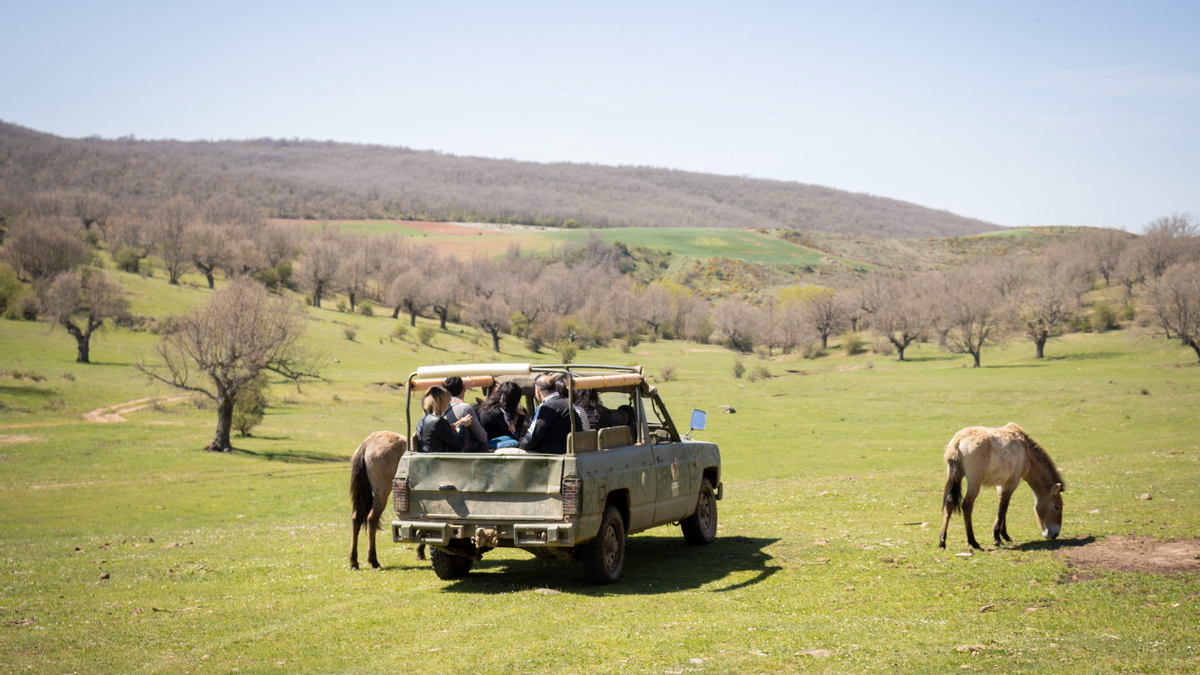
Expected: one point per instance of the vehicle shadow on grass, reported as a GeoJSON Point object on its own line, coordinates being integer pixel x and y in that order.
{"type": "Point", "coordinates": [653, 565]}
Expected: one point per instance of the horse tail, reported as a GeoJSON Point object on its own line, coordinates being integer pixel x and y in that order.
{"type": "Point", "coordinates": [952, 494]}
{"type": "Point", "coordinates": [361, 498]}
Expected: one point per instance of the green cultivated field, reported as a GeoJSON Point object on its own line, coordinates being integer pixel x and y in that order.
{"type": "Point", "coordinates": [224, 563]}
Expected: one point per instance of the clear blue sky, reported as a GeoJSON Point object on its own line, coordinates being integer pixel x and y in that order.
{"type": "Point", "coordinates": [1078, 113]}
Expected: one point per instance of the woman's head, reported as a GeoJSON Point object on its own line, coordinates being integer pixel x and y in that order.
{"type": "Point", "coordinates": [506, 396]}
{"type": "Point", "coordinates": [436, 400]}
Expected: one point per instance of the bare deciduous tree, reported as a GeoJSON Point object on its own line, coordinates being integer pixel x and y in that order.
{"type": "Point", "coordinates": [40, 248]}
{"type": "Point", "coordinates": [80, 302]}
{"type": "Point", "coordinates": [221, 346]}
{"type": "Point", "coordinates": [737, 322]}
{"type": "Point", "coordinates": [490, 314]}
{"type": "Point", "coordinates": [409, 292]}
{"type": "Point", "coordinates": [1103, 247]}
{"type": "Point", "coordinates": [972, 313]}
{"type": "Point", "coordinates": [354, 270]}
{"type": "Point", "coordinates": [131, 240]}
{"type": "Point", "coordinates": [657, 306]}
{"type": "Point", "coordinates": [903, 310]}
{"type": "Point", "coordinates": [319, 266]}
{"type": "Point", "coordinates": [1175, 297]}
{"type": "Point", "coordinates": [1051, 298]}
{"type": "Point", "coordinates": [173, 220]}
{"type": "Point", "coordinates": [92, 208]}
{"type": "Point", "coordinates": [210, 248]}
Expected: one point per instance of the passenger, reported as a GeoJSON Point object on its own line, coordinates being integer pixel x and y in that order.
{"type": "Point", "coordinates": [596, 414]}
{"type": "Point", "coordinates": [434, 432]}
{"type": "Point", "coordinates": [476, 436]}
{"type": "Point", "coordinates": [551, 422]}
{"type": "Point", "coordinates": [560, 385]}
{"type": "Point", "coordinates": [502, 416]}
{"type": "Point", "coordinates": [630, 416]}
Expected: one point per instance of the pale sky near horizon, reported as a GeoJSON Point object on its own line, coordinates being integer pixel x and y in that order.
{"type": "Point", "coordinates": [1024, 113]}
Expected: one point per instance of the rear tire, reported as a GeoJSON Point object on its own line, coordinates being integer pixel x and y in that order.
{"type": "Point", "coordinates": [700, 528]}
{"type": "Point", "coordinates": [604, 556]}
{"type": "Point", "coordinates": [448, 566]}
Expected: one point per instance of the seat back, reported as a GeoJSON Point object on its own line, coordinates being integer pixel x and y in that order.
{"type": "Point", "coordinates": [583, 441]}
{"type": "Point", "coordinates": [615, 437]}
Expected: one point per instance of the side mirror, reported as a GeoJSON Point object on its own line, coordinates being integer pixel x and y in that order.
{"type": "Point", "coordinates": [698, 419]}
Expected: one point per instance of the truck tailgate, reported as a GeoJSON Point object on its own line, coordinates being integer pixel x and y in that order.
{"type": "Point", "coordinates": [485, 487]}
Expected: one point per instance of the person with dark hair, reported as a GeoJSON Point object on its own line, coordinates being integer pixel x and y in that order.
{"type": "Point", "coordinates": [459, 409]}
{"type": "Point", "coordinates": [551, 420]}
{"type": "Point", "coordinates": [502, 416]}
{"type": "Point", "coordinates": [434, 432]}
{"type": "Point", "coordinates": [560, 385]}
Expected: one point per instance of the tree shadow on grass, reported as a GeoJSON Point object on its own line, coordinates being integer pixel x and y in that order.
{"type": "Point", "coordinates": [294, 456]}
{"type": "Point", "coordinates": [1054, 544]}
{"type": "Point", "coordinates": [1088, 356]}
{"type": "Point", "coordinates": [27, 390]}
{"type": "Point", "coordinates": [653, 565]}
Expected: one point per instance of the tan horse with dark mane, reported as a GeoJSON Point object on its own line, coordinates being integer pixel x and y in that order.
{"type": "Point", "coordinates": [1000, 457]}
{"type": "Point", "coordinates": [372, 470]}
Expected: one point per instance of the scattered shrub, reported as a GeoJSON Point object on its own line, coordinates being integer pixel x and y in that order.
{"type": "Point", "coordinates": [667, 372]}
{"type": "Point", "coordinates": [853, 343]}
{"type": "Point", "coordinates": [10, 287]}
{"type": "Point", "coordinates": [1130, 312]}
{"type": "Point", "coordinates": [626, 345]}
{"type": "Point", "coordinates": [249, 406]}
{"type": "Point", "coordinates": [759, 372]}
{"type": "Point", "coordinates": [127, 259]}
{"type": "Point", "coordinates": [738, 368]}
{"type": "Point", "coordinates": [350, 332]}
{"type": "Point", "coordinates": [566, 351]}
{"type": "Point", "coordinates": [343, 306]}
{"type": "Point", "coordinates": [366, 308]}
{"type": "Point", "coordinates": [763, 352]}
{"type": "Point", "coordinates": [425, 335]}
{"type": "Point", "coordinates": [55, 404]}
{"type": "Point", "coordinates": [1104, 317]}
{"type": "Point", "coordinates": [812, 350]}
{"type": "Point", "coordinates": [882, 346]}
{"type": "Point", "coordinates": [534, 343]}
{"type": "Point", "coordinates": [400, 331]}
{"type": "Point", "coordinates": [69, 377]}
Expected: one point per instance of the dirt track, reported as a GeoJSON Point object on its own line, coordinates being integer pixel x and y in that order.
{"type": "Point", "coordinates": [114, 413]}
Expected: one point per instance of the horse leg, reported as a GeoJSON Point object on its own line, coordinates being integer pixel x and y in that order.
{"type": "Point", "coordinates": [355, 524]}
{"type": "Point", "coordinates": [373, 525]}
{"type": "Point", "coordinates": [945, 526]}
{"type": "Point", "coordinates": [968, 506]}
{"type": "Point", "coordinates": [420, 551]}
{"type": "Point", "coordinates": [999, 528]}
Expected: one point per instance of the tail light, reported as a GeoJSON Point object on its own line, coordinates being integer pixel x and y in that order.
{"type": "Point", "coordinates": [571, 488]}
{"type": "Point", "coordinates": [400, 495]}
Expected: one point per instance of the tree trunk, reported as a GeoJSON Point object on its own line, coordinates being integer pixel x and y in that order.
{"type": "Point", "coordinates": [900, 351]}
{"type": "Point", "coordinates": [412, 318]}
{"type": "Point", "coordinates": [442, 318]}
{"type": "Point", "coordinates": [317, 296]}
{"type": "Point", "coordinates": [220, 442]}
{"type": "Point", "coordinates": [208, 276]}
{"type": "Point", "coordinates": [824, 341]}
{"type": "Point", "coordinates": [976, 355]}
{"type": "Point", "coordinates": [396, 312]}
{"type": "Point", "coordinates": [1041, 345]}
{"type": "Point", "coordinates": [496, 341]}
{"type": "Point", "coordinates": [1195, 345]}
{"type": "Point", "coordinates": [83, 343]}
{"type": "Point", "coordinates": [352, 303]}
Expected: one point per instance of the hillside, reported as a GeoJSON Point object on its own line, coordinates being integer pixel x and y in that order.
{"type": "Point", "coordinates": [327, 180]}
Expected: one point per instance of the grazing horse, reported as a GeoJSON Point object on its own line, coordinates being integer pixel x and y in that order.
{"type": "Point", "coordinates": [1000, 457]}
{"type": "Point", "coordinates": [372, 470]}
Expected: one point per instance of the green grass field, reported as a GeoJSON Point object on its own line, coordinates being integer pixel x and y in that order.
{"type": "Point", "coordinates": [826, 559]}
{"type": "Point", "coordinates": [700, 243]}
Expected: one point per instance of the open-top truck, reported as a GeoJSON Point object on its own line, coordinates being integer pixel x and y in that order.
{"type": "Point", "coordinates": [635, 474]}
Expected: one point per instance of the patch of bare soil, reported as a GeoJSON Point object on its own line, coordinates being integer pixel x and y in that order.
{"type": "Point", "coordinates": [18, 438]}
{"type": "Point", "coordinates": [113, 413]}
{"type": "Point", "coordinates": [1134, 554]}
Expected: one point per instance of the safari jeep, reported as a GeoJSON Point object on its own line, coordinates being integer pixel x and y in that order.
{"type": "Point", "coordinates": [633, 475]}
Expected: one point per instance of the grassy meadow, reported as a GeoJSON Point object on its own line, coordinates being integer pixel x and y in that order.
{"type": "Point", "coordinates": [127, 549]}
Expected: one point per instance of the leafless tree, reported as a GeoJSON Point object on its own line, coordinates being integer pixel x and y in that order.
{"type": "Point", "coordinates": [219, 347]}
{"type": "Point", "coordinates": [354, 270]}
{"type": "Point", "coordinates": [40, 248]}
{"type": "Point", "coordinates": [80, 302]}
{"type": "Point", "coordinates": [1103, 248]}
{"type": "Point", "coordinates": [904, 310]}
{"type": "Point", "coordinates": [490, 314]}
{"type": "Point", "coordinates": [173, 219]}
{"type": "Point", "coordinates": [1175, 297]}
{"type": "Point", "coordinates": [131, 239]}
{"type": "Point", "coordinates": [1164, 240]}
{"type": "Point", "coordinates": [825, 314]}
{"type": "Point", "coordinates": [1051, 298]}
{"type": "Point", "coordinates": [277, 242]}
{"type": "Point", "coordinates": [446, 292]}
{"type": "Point", "coordinates": [737, 322]}
{"type": "Point", "coordinates": [657, 306]}
{"type": "Point", "coordinates": [409, 293]}
{"type": "Point", "coordinates": [210, 248]}
{"type": "Point", "coordinates": [791, 327]}
{"type": "Point", "coordinates": [319, 265]}
{"type": "Point", "coordinates": [972, 313]}
{"type": "Point", "coordinates": [92, 208]}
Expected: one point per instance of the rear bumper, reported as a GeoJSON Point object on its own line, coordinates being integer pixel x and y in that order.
{"type": "Point", "coordinates": [524, 535]}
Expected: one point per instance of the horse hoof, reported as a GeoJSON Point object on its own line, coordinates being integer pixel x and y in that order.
{"type": "Point", "coordinates": [353, 566]}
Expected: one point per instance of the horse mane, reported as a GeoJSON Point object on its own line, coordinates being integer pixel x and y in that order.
{"type": "Point", "coordinates": [1040, 456]}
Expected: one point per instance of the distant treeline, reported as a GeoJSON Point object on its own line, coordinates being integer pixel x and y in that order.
{"type": "Point", "coordinates": [327, 181]}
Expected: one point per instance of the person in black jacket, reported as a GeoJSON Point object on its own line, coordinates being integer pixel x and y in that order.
{"type": "Point", "coordinates": [434, 432]}
{"type": "Point", "coordinates": [551, 420]}
{"type": "Point", "coordinates": [502, 416]}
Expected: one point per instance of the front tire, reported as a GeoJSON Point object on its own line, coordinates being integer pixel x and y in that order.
{"type": "Point", "coordinates": [604, 555]}
{"type": "Point", "coordinates": [448, 566]}
{"type": "Point", "coordinates": [700, 528]}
